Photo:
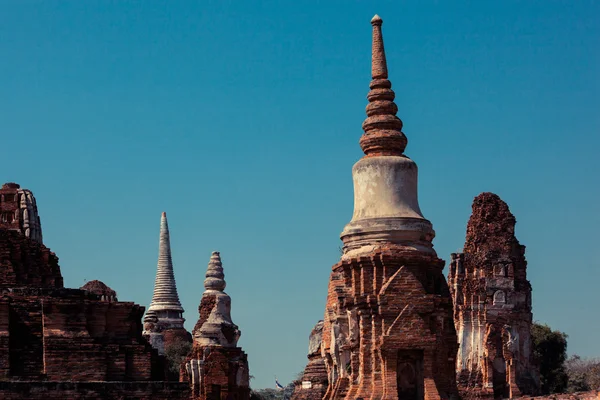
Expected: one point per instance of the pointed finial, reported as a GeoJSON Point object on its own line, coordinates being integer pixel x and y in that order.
{"type": "Point", "coordinates": [214, 274]}
{"type": "Point", "coordinates": [378, 62]}
{"type": "Point", "coordinates": [165, 295]}
{"type": "Point", "coordinates": [164, 225]}
{"type": "Point", "coordinates": [383, 129]}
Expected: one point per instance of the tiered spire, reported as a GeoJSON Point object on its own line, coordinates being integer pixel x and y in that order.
{"type": "Point", "coordinates": [215, 278]}
{"type": "Point", "coordinates": [217, 329]}
{"type": "Point", "coordinates": [386, 205]}
{"type": "Point", "coordinates": [383, 129]}
{"type": "Point", "coordinates": [165, 296]}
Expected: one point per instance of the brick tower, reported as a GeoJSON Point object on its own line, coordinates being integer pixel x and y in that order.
{"type": "Point", "coordinates": [216, 368]}
{"type": "Point", "coordinates": [388, 331]}
{"type": "Point", "coordinates": [163, 322]}
{"type": "Point", "coordinates": [18, 211]}
{"type": "Point", "coordinates": [492, 306]}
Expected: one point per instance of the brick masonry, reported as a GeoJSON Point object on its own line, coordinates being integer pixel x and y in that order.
{"type": "Point", "coordinates": [24, 262]}
{"type": "Point", "coordinates": [216, 367]}
{"type": "Point", "coordinates": [492, 306]}
{"type": "Point", "coordinates": [388, 330]}
{"type": "Point", "coordinates": [388, 327]}
{"type": "Point", "coordinates": [51, 333]}
{"type": "Point", "coordinates": [18, 211]}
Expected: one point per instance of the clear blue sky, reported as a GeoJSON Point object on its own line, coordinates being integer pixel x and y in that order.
{"type": "Point", "coordinates": [241, 120]}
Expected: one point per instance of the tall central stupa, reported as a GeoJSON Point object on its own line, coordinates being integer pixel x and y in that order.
{"type": "Point", "coordinates": [388, 329]}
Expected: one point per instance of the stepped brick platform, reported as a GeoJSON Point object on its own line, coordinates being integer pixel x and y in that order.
{"type": "Point", "coordinates": [57, 336]}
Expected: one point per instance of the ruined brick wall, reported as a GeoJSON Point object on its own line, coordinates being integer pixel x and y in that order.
{"type": "Point", "coordinates": [216, 373]}
{"type": "Point", "coordinates": [389, 321]}
{"type": "Point", "coordinates": [68, 334]}
{"type": "Point", "coordinates": [33, 390]}
{"type": "Point", "coordinates": [48, 332]}
{"type": "Point", "coordinates": [492, 305]}
{"type": "Point", "coordinates": [24, 262]}
{"type": "Point", "coordinates": [4, 338]}
{"type": "Point", "coordinates": [59, 343]}
{"type": "Point", "coordinates": [10, 215]}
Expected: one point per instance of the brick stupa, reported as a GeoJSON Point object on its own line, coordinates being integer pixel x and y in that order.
{"type": "Point", "coordinates": [388, 330]}
{"type": "Point", "coordinates": [492, 306]}
{"type": "Point", "coordinates": [163, 322]}
{"type": "Point", "coordinates": [216, 367]}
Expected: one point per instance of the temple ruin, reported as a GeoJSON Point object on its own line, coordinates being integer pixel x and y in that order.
{"type": "Point", "coordinates": [58, 343]}
{"type": "Point", "coordinates": [216, 368]}
{"type": "Point", "coordinates": [18, 211]}
{"type": "Point", "coordinates": [163, 322]}
{"type": "Point", "coordinates": [388, 330]}
{"type": "Point", "coordinates": [492, 306]}
{"type": "Point", "coordinates": [393, 327]}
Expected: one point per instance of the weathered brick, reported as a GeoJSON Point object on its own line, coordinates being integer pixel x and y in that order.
{"type": "Point", "coordinates": [492, 306]}
{"type": "Point", "coordinates": [216, 368]}
{"type": "Point", "coordinates": [50, 333]}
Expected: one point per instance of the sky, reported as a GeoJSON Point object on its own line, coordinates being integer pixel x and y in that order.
{"type": "Point", "coordinates": [241, 120]}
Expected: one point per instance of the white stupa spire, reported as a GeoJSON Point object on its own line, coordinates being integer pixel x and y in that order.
{"type": "Point", "coordinates": [165, 301]}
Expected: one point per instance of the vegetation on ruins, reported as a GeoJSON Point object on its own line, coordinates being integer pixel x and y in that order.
{"type": "Point", "coordinates": [175, 354]}
{"type": "Point", "coordinates": [550, 351]}
{"type": "Point", "coordinates": [584, 374]}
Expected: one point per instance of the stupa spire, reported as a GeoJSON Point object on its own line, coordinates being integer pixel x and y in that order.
{"type": "Point", "coordinates": [165, 291]}
{"type": "Point", "coordinates": [215, 278]}
{"type": "Point", "coordinates": [368, 346]}
{"type": "Point", "coordinates": [165, 312]}
{"type": "Point", "coordinates": [383, 129]}
{"type": "Point", "coordinates": [217, 328]}
{"type": "Point", "coordinates": [378, 61]}
{"type": "Point", "coordinates": [386, 205]}
{"type": "Point", "coordinates": [215, 343]}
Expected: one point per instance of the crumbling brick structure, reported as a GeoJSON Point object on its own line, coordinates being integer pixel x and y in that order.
{"type": "Point", "coordinates": [313, 383]}
{"type": "Point", "coordinates": [52, 334]}
{"type": "Point", "coordinates": [388, 330]}
{"type": "Point", "coordinates": [27, 263]}
{"type": "Point", "coordinates": [216, 368]}
{"type": "Point", "coordinates": [101, 290]}
{"type": "Point", "coordinates": [18, 211]}
{"type": "Point", "coordinates": [492, 306]}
